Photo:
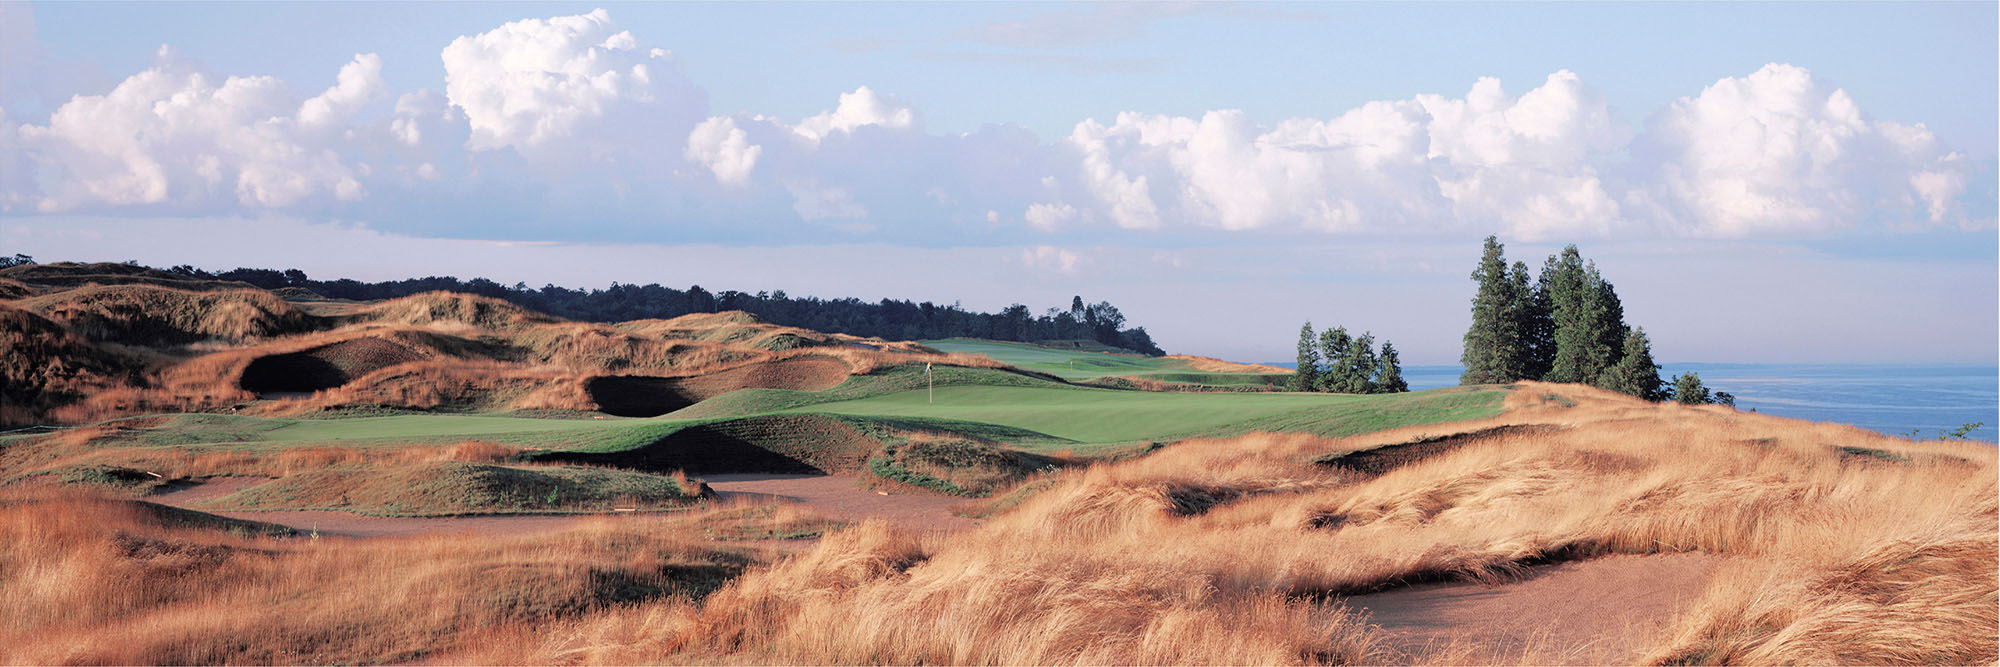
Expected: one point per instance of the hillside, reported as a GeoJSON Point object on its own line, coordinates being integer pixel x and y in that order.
{"type": "Point", "coordinates": [466, 480]}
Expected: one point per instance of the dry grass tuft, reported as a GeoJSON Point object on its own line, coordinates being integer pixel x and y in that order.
{"type": "Point", "coordinates": [157, 316]}
{"type": "Point", "coordinates": [93, 580]}
{"type": "Point", "coordinates": [1219, 551]}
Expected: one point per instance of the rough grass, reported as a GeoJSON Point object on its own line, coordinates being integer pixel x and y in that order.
{"type": "Point", "coordinates": [1234, 551]}
{"type": "Point", "coordinates": [158, 316]}
{"type": "Point", "coordinates": [956, 465]}
{"type": "Point", "coordinates": [1217, 551]}
{"type": "Point", "coordinates": [449, 488]}
{"type": "Point", "coordinates": [98, 581]}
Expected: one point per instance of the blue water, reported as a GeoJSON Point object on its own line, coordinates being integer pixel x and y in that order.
{"type": "Point", "coordinates": [1892, 399]}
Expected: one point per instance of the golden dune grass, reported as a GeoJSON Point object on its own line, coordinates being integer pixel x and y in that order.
{"type": "Point", "coordinates": [97, 581]}
{"type": "Point", "coordinates": [1833, 558]}
{"type": "Point", "coordinates": [1213, 365]}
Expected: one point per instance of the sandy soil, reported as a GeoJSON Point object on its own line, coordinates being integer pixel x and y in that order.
{"type": "Point", "coordinates": [1598, 611]}
{"type": "Point", "coordinates": [837, 497]}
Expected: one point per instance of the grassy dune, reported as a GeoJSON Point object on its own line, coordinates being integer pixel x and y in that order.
{"type": "Point", "coordinates": [1842, 546]}
{"type": "Point", "coordinates": [98, 581]}
{"type": "Point", "coordinates": [1231, 551]}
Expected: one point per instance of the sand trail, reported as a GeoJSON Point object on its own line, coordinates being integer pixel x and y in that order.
{"type": "Point", "coordinates": [1597, 611]}
{"type": "Point", "coordinates": [837, 497]}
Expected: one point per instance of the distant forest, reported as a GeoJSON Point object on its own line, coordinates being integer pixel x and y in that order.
{"type": "Point", "coordinates": [889, 318]}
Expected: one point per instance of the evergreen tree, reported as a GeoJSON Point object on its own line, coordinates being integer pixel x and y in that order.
{"type": "Point", "coordinates": [1585, 318]}
{"type": "Point", "coordinates": [1389, 372]}
{"type": "Point", "coordinates": [1360, 374]}
{"type": "Point", "coordinates": [1538, 331]}
{"type": "Point", "coordinates": [1334, 344]}
{"type": "Point", "coordinates": [1307, 377]}
{"type": "Point", "coordinates": [1493, 344]}
{"type": "Point", "coordinates": [1563, 285]}
{"type": "Point", "coordinates": [1607, 327]}
{"type": "Point", "coordinates": [1688, 390]}
{"type": "Point", "coordinates": [1635, 373]}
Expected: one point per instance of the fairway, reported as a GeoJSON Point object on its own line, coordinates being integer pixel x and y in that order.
{"type": "Point", "coordinates": [1104, 416]}
{"type": "Point", "coordinates": [426, 427]}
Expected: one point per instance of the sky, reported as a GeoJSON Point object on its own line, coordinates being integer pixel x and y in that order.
{"type": "Point", "coordinates": [1763, 182]}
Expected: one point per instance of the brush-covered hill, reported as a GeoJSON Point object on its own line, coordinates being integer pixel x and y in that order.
{"type": "Point", "coordinates": [88, 342]}
{"type": "Point", "coordinates": [240, 380]}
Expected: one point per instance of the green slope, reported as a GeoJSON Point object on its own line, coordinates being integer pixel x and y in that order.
{"type": "Point", "coordinates": [1110, 416]}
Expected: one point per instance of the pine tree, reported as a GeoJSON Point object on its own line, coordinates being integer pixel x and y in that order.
{"type": "Point", "coordinates": [1389, 372]}
{"type": "Point", "coordinates": [1307, 377]}
{"type": "Point", "coordinates": [1688, 390]}
{"type": "Point", "coordinates": [1361, 365]}
{"type": "Point", "coordinates": [1563, 285]}
{"type": "Point", "coordinates": [1607, 327]}
{"type": "Point", "coordinates": [1493, 344]}
{"type": "Point", "coordinates": [1636, 373]}
{"type": "Point", "coordinates": [1538, 332]}
{"type": "Point", "coordinates": [1333, 344]}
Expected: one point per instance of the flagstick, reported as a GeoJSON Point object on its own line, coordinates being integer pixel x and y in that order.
{"type": "Point", "coordinates": [930, 384]}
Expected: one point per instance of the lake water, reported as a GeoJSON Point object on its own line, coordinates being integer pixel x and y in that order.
{"type": "Point", "coordinates": [1891, 399]}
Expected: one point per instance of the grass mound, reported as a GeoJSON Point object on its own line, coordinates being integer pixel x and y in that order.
{"type": "Point", "coordinates": [735, 328]}
{"type": "Point", "coordinates": [153, 316]}
{"type": "Point", "coordinates": [13, 290]}
{"type": "Point", "coordinates": [72, 274]}
{"type": "Point", "coordinates": [807, 373]}
{"type": "Point", "coordinates": [457, 487]}
{"type": "Point", "coordinates": [44, 366]}
{"type": "Point", "coordinates": [769, 444]}
{"type": "Point", "coordinates": [326, 366]}
{"type": "Point", "coordinates": [1378, 460]}
{"type": "Point", "coordinates": [116, 479]}
{"type": "Point", "coordinates": [957, 466]}
{"type": "Point", "coordinates": [454, 308]}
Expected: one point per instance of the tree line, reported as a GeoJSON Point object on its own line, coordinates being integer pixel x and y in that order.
{"type": "Point", "coordinates": [891, 319]}
{"type": "Point", "coordinates": [1334, 361]}
{"type": "Point", "coordinates": [1564, 325]}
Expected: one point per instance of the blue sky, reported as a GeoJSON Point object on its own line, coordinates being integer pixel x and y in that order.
{"type": "Point", "coordinates": [1219, 171]}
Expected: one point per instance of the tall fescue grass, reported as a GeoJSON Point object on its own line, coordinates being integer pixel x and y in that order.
{"type": "Point", "coordinates": [155, 316]}
{"type": "Point", "coordinates": [97, 581]}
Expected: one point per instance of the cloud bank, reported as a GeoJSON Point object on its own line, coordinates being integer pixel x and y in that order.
{"type": "Point", "coordinates": [581, 115]}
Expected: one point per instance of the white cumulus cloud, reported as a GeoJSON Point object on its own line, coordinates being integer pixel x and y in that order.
{"type": "Point", "coordinates": [725, 149]}
{"type": "Point", "coordinates": [535, 80]}
{"type": "Point", "coordinates": [1781, 153]}
{"type": "Point", "coordinates": [861, 108]}
{"type": "Point", "coordinates": [174, 136]}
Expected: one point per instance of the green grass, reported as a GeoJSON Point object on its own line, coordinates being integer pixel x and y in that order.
{"type": "Point", "coordinates": [454, 488]}
{"type": "Point", "coordinates": [210, 431]}
{"type": "Point", "coordinates": [1111, 416]}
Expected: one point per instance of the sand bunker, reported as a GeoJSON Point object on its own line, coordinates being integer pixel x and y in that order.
{"type": "Point", "coordinates": [1598, 611]}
